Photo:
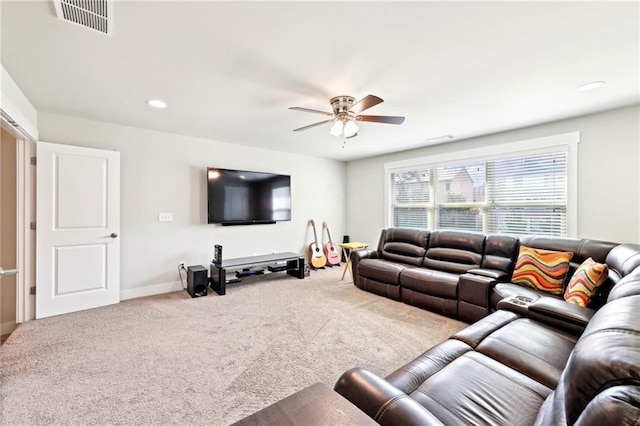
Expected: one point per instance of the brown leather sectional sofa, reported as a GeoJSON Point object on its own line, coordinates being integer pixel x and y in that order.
{"type": "Point", "coordinates": [465, 274]}
{"type": "Point", "coordinates": [529, 358]}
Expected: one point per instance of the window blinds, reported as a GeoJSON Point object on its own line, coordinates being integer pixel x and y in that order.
{"type": "Point", "coordinates": [528, 195]}
{"type": "Point", "coordinates": [411, 198]}
{"type": "Point", "coordinates": [519, 195]}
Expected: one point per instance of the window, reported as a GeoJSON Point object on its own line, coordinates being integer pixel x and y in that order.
{"type": "Point", "coordinates": [518, 192]}
{"type": "Point", "coordinates": [529, 195]}
{"type": "Point", "coordinates": [412, 195]}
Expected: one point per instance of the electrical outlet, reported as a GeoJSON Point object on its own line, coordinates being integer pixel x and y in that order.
{"type": "Point", "coordinates": [165, 217]}
{"type": "Point", "coordinates": [182, 263]}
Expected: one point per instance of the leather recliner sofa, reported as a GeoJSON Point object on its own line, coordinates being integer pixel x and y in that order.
{"type": "Point", "coordinates": [543, 361]}
{"type": "Point", "coordinates": [465, 274]}
{"type": "Point", "coordinates": [508, 369]}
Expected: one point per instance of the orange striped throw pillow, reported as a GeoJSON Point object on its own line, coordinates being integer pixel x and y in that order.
{"type": "Point", "coordinates": [589, 276]}
{"type": "Point", "coordinates": [543, 270]}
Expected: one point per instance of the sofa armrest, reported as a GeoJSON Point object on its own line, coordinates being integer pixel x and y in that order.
{"type": "Point", "coordinates": [495, 274]}
{"type": "Point", "coordinates": [356, 256]}
{"type": "Point", "coordinates": [551, 311]}
{"type": "Point", "coordinates": [360, 254]}
{"type": "Point", "coordinates": [562, 310]}
{"type": "Point", "coordinates": [474, 292]}
{"type": "Point", "coordinates": [382, 401]}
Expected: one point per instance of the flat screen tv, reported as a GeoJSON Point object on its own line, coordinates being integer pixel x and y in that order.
{"type": "Point", "coordinates": [242, 197]}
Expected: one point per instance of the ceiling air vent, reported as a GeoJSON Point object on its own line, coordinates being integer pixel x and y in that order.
{"type": "Point", "coordinates": [94, 14]}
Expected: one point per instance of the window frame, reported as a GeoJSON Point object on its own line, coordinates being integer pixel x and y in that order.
{"type": "Point", "coordinates": [565, 142]}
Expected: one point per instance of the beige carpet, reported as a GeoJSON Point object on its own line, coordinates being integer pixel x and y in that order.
{"type": "Point", "coordinates": [210, 360]}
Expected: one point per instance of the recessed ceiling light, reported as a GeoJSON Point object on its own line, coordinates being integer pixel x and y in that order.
{"type": "Point", "coordinates": [441, 138]}
{"type": "Point", "coordinates": [591, 86]}
{"type": "Point", "coordinates": [157, 103]}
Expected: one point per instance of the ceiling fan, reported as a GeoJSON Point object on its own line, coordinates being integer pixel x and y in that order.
{"type": "Point", "coordinates": [346, 111]}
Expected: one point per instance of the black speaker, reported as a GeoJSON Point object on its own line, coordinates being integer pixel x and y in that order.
{"type": "Point", "coordinates": [197, 280]}
{"type": "Point", "coordinates": [345, 239]}
{"type": "Point", "coordinates": [217, 255]}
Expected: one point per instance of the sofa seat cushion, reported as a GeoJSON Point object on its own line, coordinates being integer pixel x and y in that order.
{"type": "Point", "coordinates": [475, 389]}
{"type": "Point", "coordinates": [428, 281]}
{"type": "Point", "coordinates": [381, 270]}
{"type": "Point", "coordinates": [534, 349]}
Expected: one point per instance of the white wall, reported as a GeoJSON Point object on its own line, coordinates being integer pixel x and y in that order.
{"type": "Point", "coordinates": [608, 175]}
{"type": "Point", "coordinates": [162, 172]}
{"type": "Point", "coordinates": [15, 104]}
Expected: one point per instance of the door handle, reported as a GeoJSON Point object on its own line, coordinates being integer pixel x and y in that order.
{"type": "Point", "coordinates": [113, 235]}
{"type": "Point", "coordinates": [4, 272]}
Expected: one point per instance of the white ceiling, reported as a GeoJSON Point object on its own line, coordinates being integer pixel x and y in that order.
{"type": "Point", "coordinates": [230, 70]}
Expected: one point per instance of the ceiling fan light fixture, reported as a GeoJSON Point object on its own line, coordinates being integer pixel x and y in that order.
{"type": "Point", "coordinates": [350, 129]}
{"type": "Point", "coordinates": [344, 126]}
{"type": "Point", "coordinates": [336, 128]}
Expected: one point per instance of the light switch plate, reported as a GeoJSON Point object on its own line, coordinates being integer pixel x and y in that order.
{"type": "Point", "coordinates": [165, 217]}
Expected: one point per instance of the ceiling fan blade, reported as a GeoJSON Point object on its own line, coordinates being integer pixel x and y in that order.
{"type": "Point", "coordinates": [365, 103]}
{"type": "Point", "coordinates": [312, 125]}
{"type": "Point", "coordinates": [310, 110]}
{"type": "Point", "coordinates": [388, 119]}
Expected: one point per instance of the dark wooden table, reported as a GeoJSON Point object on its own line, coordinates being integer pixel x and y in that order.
{"type": "Point", "coordinates": [315, 405]}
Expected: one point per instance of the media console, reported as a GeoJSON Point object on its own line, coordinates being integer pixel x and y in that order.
{"type": "Point", "coordinates": [292, 263]}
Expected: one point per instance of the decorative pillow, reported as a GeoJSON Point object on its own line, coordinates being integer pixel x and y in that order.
{"type": "Point", "coordinates": [543, 270]}
{"type": "Point", "coordinates": [589, 276]}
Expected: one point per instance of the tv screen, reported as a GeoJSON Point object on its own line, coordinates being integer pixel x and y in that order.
{"type": "Point", "coordinates": [239, 197]}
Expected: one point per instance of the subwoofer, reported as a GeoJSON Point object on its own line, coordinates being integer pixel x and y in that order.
{"type": "Point", "coordinates": [197, 280]}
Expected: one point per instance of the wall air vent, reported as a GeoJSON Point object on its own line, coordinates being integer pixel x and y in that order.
{"type": "Point", "coordinates": [94, 14]}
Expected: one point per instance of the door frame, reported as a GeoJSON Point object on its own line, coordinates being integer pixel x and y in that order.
{"type": "Point", "coordinates": [25, 241]}
{"type": "Point", "coordinates": [25, 204]}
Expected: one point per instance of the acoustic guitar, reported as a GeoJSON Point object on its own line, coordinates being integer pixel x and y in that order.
{"type": "Point", "coordinates": [331, 250]}
{"type": "Point", "coordinates": [316, 256]}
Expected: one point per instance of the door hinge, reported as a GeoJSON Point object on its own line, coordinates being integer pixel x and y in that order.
{"type": "Point", "coordinates": [32, 290]}
{"type": "Point", "coordinates": [32, 225]}
{"type": "Point", "coordinates": [33, 161]}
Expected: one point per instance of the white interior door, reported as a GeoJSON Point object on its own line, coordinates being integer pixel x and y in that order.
{"type": "Point", "coordinates": [78, 226]}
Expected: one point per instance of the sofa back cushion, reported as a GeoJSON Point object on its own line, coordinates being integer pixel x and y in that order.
{"type": "Point", "coordinates": [605, 358]}
{"type": "Point", "coordinates": [404, 245]}
{"type": "Point", "coordinates": [454, 251]}
{"type": "Point", "coordinates": [624, 273]}
{"type": "Point", "coordinates": [627, 286]}
{"type": "Point", "coordinates": [500, 252]}
{"type": "Point", "coordinates": [622, 260]}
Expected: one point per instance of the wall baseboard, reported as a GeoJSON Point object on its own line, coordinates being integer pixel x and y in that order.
{"type": "Point", "coordinates": [150, 290]}
{"type": "Point", "coordinates": [7, 327]}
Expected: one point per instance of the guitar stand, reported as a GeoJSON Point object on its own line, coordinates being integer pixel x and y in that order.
{"type": "Point", "coordinates": [313, 268]}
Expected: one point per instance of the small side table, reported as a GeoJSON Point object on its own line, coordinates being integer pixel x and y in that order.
{"type": "Point", "coordinates": [316, 405]}
{"type": "Point", "coordinates": [347, 248]}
